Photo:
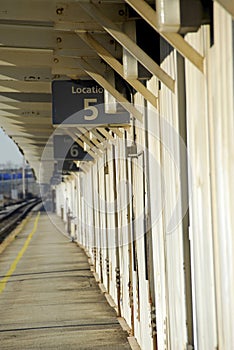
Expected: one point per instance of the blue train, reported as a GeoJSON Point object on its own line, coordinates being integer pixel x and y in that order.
{"type": "Point", "coordinates": [15, 175]}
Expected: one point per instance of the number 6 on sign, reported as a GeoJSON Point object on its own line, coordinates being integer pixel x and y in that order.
{"type": "Point", "coordinates": [93, 109]}
{"type": "Point", "coordinates": [74, 151]}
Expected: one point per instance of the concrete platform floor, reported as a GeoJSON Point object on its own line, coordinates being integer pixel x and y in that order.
{"type": "Point", "coordinates": [50, 299]}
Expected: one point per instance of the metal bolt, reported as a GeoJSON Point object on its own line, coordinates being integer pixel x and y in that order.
{"type": "Point", "coordinates": [59, 11]}
{"type": "Point", "coordinates": [56, 60]}
{"type": "Point", "coordinates": [59, 40]}
{"type": "Point", "coordinates": [121, 12]}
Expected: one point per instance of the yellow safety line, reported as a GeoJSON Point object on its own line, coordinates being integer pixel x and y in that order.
{"type": "Point", "coordinates": [4, 280]}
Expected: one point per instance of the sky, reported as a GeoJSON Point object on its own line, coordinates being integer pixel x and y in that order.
{"type": "Point", "coordinates": [9, 151]}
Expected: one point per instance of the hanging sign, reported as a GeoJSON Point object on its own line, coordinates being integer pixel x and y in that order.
{"type": "Point", "coordinates": [82, 103]}
{"type": "Point", "coordinates": [66, 149]}
{"type": "Point", "coordinates": [67, 165]}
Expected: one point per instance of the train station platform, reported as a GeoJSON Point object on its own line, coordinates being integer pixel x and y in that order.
{"type": "Point", "coordinates": [49, 298]}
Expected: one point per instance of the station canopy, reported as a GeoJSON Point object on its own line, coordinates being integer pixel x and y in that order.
{"type": "Point", "coordinates": [42, 41]}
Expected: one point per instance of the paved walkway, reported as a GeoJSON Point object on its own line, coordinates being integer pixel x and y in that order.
{"type": "Point", "coordinates": [49, 298]}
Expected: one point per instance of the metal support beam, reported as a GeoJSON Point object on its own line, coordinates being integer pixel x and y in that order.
{"type": "Point", "coordinates": [87, 133]}
{"type": "Point", "coordinates": [26, 73]}
{"type": "Point", "coordinates": [28, 108]}
{"type": "Point", "coordinates": [92, 146]}
{"type": "Point", "coordinates": [176, 40]}
{"type": "Point", "coordinates": [29, 115]}
{"type": "Point", "coordinates": [118, 67]}
{"type": "Point", "coordinates": [118, 132]}
{"type": "Point", "coordinates": [25, 86]}
{"type": "Point", "coordinates": [77, 139]}
{"type": "Point", "coordinates": [31, 128]}
{"type": "Point", "coordinates": [20, 137]}
{"type": "Point", "coordinates": [91, 70]}
{"type": "Point", "coordinates": [46, 13]}
{"type": "Point", "coordinates": [115, 31]}
{"type": "Point", "coordinates": [100, 137]}
{"type": "Point", "coordinates": [101, 142]}
{"type": "Point", "coordinates": [28, 120]}
{"type": "Point", "coordinates": [22, 57]}
{"type": "Point", "coordinates": [107, 135]}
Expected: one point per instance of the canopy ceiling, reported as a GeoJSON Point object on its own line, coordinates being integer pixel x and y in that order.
{"type": "Point", "coordinates": [45, 40]}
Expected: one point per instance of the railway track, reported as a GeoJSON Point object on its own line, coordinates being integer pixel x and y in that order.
{"type": "Point", "coordinates": [11, 217]}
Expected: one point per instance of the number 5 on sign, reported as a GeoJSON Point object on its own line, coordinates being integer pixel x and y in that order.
{"type": "Point", "coordinates": [93, 109]}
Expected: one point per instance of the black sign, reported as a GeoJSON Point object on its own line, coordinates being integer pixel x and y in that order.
{"type": "Point", "coordinates": [82, 102]}
{"type": "Point", "coordinates": [67, 165]}
{"type": "Point", "coordinates": [66, 149]}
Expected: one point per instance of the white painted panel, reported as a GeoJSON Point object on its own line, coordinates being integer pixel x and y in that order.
{"type": "Point", "coordinates": [97, 217]}
{"type": "Point", "coordinates": [156, 202]}
{"type": "Point", "coordinates": [122, 204]}
{"type": "Point", "coordinates": [173, 233]}
{"type": "Point", "coordinates": [111, 226]}
{"type": "Point", "coordinates": [90, 223]}
{"type": "Point", "coordinates": [221, 125]}
{"type": "Point", "coordinates": [201, 206]}
{"type": "Point", "coordinates": [143, 332]}
{"type": "Point", "coordinates": [102, 214]}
